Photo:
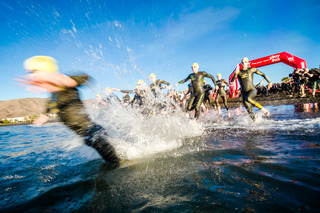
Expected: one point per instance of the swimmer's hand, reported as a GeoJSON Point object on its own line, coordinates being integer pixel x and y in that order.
{"type": "Point", "coordinates": [41, 120]}
{"type": "Point", "coordinates": [51, 82]}
{"type": "Point", "coordinates": [176, 84]}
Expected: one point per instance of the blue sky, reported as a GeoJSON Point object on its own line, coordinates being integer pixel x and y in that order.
{"type": "Point", "coordinates": [119, 42]}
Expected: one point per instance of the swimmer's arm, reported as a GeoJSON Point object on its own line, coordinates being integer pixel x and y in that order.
{"type": "Point", "coordinates": [127, 91]}
{"type": "Point", "coordinates": [262, 74]}
{"type": "Point", "coordinates": [205, 74]}
{"type": "Point", "coordinates": [167, 83]}
{"type": "Point", "coordinates": [58, 79]}
{"type": "Point", "coordinates": [41, 120]}
{"type": "Point", "coordinates": [52, 82]}
{"type": "Point", "coordinates": [225, 81]}
{"type": "Point", "coordinates": [236, 73]}
{"type": "Point", "coordinates": [183, 81]}
{"type": "Point", "coordinates": [80, 80]}
{"type": "Point", "coordinates": [123, 91]}
{"type": "Point", "coordinates": [265, 77]}
{"type": "Point", "coordinates": [212, 78]}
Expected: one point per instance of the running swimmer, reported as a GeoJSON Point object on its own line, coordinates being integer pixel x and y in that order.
{"type": "Point", "coordinates": [197, 78]}
{"type": "Point", "coordinates": [156, 85]}
{"type": "Point", "coordinates": [221, 93]}
{"type": "Point", "coordinates": [111, 98]}
{"type": "Point", "coordinates": [207, 88]}
{"type": "Point", "coordinates": [44, 74]}
{"type": "Point", "coordinates": [248, 90]}
{"type": "Point", "coordinates": [139, 93]}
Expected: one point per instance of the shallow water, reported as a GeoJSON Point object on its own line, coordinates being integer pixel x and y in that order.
{"type": "Point", "coordinates": [175, 165]}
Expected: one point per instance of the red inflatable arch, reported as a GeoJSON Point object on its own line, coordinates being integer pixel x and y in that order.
{"type": "Point", "coordinates": [284, 57]}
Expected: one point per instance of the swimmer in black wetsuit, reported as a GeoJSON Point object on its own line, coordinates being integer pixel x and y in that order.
{"type": "Point", "coordinates": [248, 90]}
{"type": "Point", "coordinates": [197, 78]}
{"type": "Point", "coordinates": [111, 98]}
{"type": "Point", "coordinates": [207, 88]}
{"type": "Point", "coordinates": [67, 102]}
{"type": "Point", "coordinates": [125, 99]}
{"type": "Point", "coordinates": [221, 93]}
{"type": "Point", "coordinates": [156, 84]}
{"type": "Point", "coordinates": [140, 93]}
{"type": "Point", "coordinates": [101, 102]}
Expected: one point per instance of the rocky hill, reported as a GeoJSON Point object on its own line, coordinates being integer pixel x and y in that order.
{"type": "Point", "coordinates": [25, 107]}
{"type": "Point", "coordinates": [22, 107]}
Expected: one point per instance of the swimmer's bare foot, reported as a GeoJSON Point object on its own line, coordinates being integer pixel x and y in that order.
{"type": "Point", "coordinates": [229, 116]}
{"type": "Point", "coordinates": [266, 112]}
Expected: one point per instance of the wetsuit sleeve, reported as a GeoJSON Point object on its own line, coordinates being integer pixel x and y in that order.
{"type": "Point", "coordinates": [127, 91]}
{"type": "Point", "coordinates": [165, 82]}
{"type": "Point", "coordinates": [205, 74]}
{"type": "Point", "coordinates": [184, 80]}
{"type": "Point", "coordinates": [80, 79]}
{"type": "Point", "coordinates": [234, 77]}
{"type": "Point", "coordinates": [225, 81]}
{"type": "Point", "coordinates": [255, 70]}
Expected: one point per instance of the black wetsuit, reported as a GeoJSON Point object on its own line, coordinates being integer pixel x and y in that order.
{"type": "Point", "coordinates": [157, 85]}
{"type": "Point", "coordinates": [207, 88]}
{"type": "Point", "coordinates": [221, 93]}
{"type": "Point", "coordinates": [102, 103]}
{"type": "Point", "coordinates": [248, 90]}
{"type": "Point", "coordinates": [126, 99]}
{"type": "Point", "coordinates": [73, 114]}
{"type": "Point", "coordinates": [197, 84]}
{"type": "Point", "coordinates": [139, 96]}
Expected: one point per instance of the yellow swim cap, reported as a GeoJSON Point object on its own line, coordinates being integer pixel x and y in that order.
{"type": "Point", "coordinates": [195, 64]}
{"type": "Point", "coordinates": [107, 88]}
{"type": "Point", "coordinates": [41, 63]}
{"type": "Point", "coordinates": [99, 95]}
{"type": "Point", "coordinates": [204, 81]}
{"type": "Point", "coordinates": [245, 59]}
{"type": "Point", "coordinates": [140, 82]}
{"type": "Point", "coordinates": [152, 75]}
{"type": "Point", "coordinates": [219, 74]}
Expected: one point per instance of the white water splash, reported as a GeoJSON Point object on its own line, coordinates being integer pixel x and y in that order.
{"type": "Point", "coordinates": [136, 135]}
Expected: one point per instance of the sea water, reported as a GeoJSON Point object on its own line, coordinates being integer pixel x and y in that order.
{"type": "Point", "coordinates": [217, 164]}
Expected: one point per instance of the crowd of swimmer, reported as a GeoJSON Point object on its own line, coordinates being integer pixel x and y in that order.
{"type": "Point", "coordinates": [65, 101]}
{"type": "Point", "coordinates": [199, 96]}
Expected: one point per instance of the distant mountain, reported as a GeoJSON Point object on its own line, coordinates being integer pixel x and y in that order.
{"type": "Point", "coordinates": [26, 107]}
{"type": "Point", "coordinates": [22, 107]}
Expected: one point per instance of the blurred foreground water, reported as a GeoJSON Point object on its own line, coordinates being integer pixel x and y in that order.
{"type": "Point", "coordinates": [174, 165]}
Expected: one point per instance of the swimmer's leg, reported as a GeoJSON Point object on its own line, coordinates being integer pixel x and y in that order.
{"type": "Point", "coordinates": [217, 103]}
{"type": "Point", "coordinates": [190, 104]}
{"type": "Point", "coordinates": [250, 97]}
{"type": "Point", "coordinates": [199, 101]}
{"type": "Point", "coordinates": [248, 106]}
{"type": "Point", "coordinates": [96, 138]}
{"type": "Point", "coordinates": [224, 97]}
